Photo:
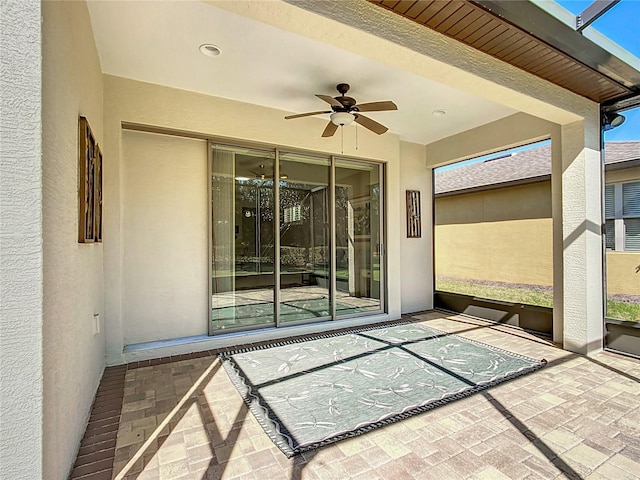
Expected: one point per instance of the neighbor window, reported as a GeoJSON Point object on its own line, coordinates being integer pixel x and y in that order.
{"type": "Point", "coordinates": [622, 216]}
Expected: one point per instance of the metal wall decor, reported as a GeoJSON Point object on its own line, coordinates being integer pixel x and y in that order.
{"type": "Point", "coordinates": [90, 185]}
{"type": "Point", "coordinates": [414, 222]}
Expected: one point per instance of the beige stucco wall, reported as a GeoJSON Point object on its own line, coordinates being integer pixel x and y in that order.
{"type": "Point", "coordinates": [141, 103]}
{"type": "Point", "coordinates": [73, 350]}
{"type": "Point", "coordinates": [505, 235]}
{"type": "Point", "coordinates": [499, 235]}
{"type": "Point", "coordinates": [623, 175]}
{"type": "Point", "coordinates": [623, 268]}
{"type": "Point", "coordinates": [416, 253]}
{"type": "Point", "coordinates": [164, 272]}
{"type": "Point", "coordinates": [21, 325]}
{"type": "Point", "coordinates": [623, 273]}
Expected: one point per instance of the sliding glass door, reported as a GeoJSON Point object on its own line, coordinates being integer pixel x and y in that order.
{"type": "Point", "coordinates": [304, 248]}
{"type": "Point", "coordinates": [358, 238]}
{"type": "Point", "coordinates": [242, 238]}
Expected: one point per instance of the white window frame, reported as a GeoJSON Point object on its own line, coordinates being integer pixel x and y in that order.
{"type": "Point", "coordinates": [619, 217]}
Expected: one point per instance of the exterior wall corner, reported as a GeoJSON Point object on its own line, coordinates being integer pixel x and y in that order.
{"type": "Point", "coordinates": [21, 250]}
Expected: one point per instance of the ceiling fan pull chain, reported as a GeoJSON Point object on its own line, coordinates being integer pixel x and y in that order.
{"type": "Point", "coordinates": [342, 138]}
{"type": "Point", "coordinates": [356, 136]}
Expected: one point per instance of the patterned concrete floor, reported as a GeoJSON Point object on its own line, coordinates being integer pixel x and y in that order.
{"type": "Point", "coordinates": [576, 418]}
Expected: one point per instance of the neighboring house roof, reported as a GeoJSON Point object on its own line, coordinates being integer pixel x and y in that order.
{"type": "Point", "coordinates": [523, 167]}
{"type": "Point", "coordinates": [618, 152]}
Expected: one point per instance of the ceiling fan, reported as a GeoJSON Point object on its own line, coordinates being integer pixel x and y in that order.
{"type": "Point", "coordinates": [262, 174]}
{"type": "Point", "coordinates": [345, 110]}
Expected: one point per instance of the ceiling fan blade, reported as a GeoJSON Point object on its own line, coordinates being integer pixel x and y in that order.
{"type": "Point", "coordinates": [372, 125]}
{"type": "Point", "coordinates": [330, 130]}
{"type": "Point", "coordinates": [377, 106]}
{"type": "Point", "coordinates": [300, 115]}
{"type": "Point", "coordinates": [330, 100]}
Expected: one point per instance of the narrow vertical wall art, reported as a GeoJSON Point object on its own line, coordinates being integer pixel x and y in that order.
{"type": "Point", "coordinates": [97, 197]}
{"type": "Point", "coordinates": [414, 222]}
{"type": "Point", "coordinates": [90, 185]}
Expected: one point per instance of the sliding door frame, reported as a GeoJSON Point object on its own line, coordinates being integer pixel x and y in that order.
{"type": "Point", "coordinates": [332, 237]}
{"type": "Point", "coordinates": [277, 150]}
{"type": "Point", "coordinates": [210, 237]}
{"type": "Point", "coordinates": [331, 316]}
{"type": "Point", "coordinates": [381, 228]}
{"type": "Point", "coordinates": [276, 237]}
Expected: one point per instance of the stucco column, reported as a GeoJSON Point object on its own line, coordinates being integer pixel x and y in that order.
{"type": "Point", "coordinates": [21, 268]}
{"type": "Point", "coordinates": [582, 302]}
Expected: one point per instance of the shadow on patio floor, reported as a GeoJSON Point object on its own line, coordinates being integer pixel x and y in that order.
{"type": "Point", "coordinates": [576, 417]}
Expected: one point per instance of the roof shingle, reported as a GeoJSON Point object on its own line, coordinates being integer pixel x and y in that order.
{"type": "Point", "coordinates": [522, 167]}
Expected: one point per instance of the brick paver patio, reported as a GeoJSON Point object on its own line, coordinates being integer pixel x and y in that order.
{"type": "Point", "coordinates": [576, 418]}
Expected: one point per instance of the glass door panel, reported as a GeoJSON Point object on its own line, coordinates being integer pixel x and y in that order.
{"type": "Point", "coordinates": [242, 238]}
{"type": "Point", "coordinates": [358, 238]}
{"type": "Point", "coordinates": [305, 248]}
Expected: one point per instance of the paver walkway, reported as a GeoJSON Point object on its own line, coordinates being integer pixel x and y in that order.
{"type": "Point", "coordinates": [576, 418]}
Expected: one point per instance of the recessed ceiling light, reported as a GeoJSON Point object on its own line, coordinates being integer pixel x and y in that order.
{"type": "Point", "coordinates": [438, 113]}
{"type": "Point", "coordinates": [210, 50]}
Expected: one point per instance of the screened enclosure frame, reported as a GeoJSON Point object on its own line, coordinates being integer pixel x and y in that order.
{"type": "Point", "coordinates": [621, 335]}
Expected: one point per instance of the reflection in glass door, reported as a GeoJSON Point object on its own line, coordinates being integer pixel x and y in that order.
{"type": "Point", "coordinates": [302, 249]}
{"type": "Point", "coordinates": [305, 249]}
{"type": "Point", "coordinates": [242, 221]}
{"type": "Point", "coordinates": [358, 238]}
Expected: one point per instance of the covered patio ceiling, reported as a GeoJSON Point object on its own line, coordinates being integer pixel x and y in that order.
{"type": "Point", "coordinates": [278, 68]}
{"type": "Point", "coordinates": [157, 42]}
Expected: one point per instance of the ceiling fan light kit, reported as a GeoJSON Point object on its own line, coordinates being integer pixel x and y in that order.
{"type": "Point", "coordinates": [342, 118]}
{"type": "Point", "coordinates": [345, 110]}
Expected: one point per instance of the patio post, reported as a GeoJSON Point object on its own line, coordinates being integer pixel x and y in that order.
{"type": "Point", "coordinates": [582, 302]}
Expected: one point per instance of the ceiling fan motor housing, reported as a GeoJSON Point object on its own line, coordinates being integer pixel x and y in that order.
{"type": "Point", "coordinates": [348, 104]}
